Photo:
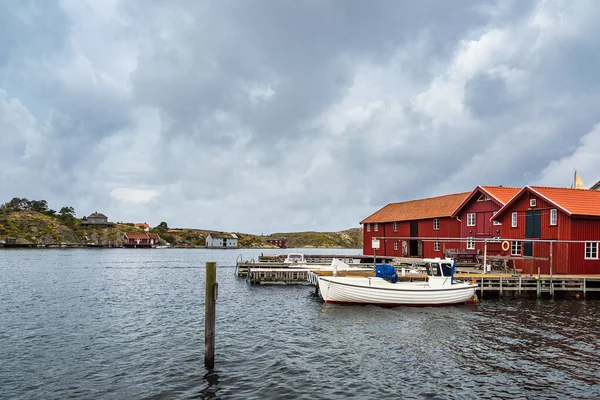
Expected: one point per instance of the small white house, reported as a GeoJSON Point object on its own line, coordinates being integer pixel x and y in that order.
{"type": "Point", "coordinates": [221, 241]}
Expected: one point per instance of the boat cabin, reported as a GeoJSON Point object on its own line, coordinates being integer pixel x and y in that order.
{"type": "Point", "coordinates": [294, 258]}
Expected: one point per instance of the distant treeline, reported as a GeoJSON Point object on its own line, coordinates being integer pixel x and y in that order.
{"type": "Point", "coordinates": [41, 206]}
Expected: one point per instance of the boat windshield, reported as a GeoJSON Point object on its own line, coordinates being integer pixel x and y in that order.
{"type": "Point", "coordinates": [447, 269]}
{"type": "Point", "coordinates": [295, 257]}
{"type": "Point", "coordinates": [433, 269]}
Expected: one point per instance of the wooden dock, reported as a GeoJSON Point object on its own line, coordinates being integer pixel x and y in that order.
{"type": "Point", "coordinates": [489, 285]}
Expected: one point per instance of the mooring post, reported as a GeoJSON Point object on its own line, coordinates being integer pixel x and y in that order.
{"type": "Point", "coordinates": [551, 283]}
{"type": "Point", "coordinates": [485, 256]}
{"type": "Point", "coordinates": [209, 314]}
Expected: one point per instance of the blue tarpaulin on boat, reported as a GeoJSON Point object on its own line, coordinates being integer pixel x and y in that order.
{"type": "Point", "coordinates": [387, 272]}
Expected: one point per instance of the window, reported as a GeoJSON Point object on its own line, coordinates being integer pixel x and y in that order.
{"type": "Point", "coordinates": [591, 250]}
{"type": "Point", "coordinates": [553, 216]}
{"type": "Point", "coordinates": [395, 245]}
{"type": "Point", "coordinates": [470, 243]}
{"type": "Point", "coordinates": [471, 219]}
{"type": "Point", "coordinates": [396, 228]}
{"type": "Point", "coordinates": [497, 222]}
{"type": "Point", "coordinates": [436, 224]}
{"type": "Point", "coordinates": [368, 227]}
{"type": "Point", "coordinates": [532, 202]}
{"type": "Point", "coordinates": [483, 197]}
{"type": "Point", "coordinates": [514, 220]}
{"type": "Point", "coordinates": [436, 246]}
{"type": "Point", "coordinates": [376, 227]}
{"type": "Point", "coordinates": [515, 248]}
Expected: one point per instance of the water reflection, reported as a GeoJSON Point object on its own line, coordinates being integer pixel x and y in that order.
{"type": "Point", "coordinates": [71, 327]}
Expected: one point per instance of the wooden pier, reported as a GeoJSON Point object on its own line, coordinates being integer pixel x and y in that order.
{"type": "Point", "coordinates": [489, 285]}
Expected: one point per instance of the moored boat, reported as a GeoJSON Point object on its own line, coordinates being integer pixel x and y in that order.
{"type": "Point", "coordinates": [439, 288]}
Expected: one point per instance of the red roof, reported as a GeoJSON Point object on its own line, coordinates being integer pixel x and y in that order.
{"type": "Point", "coordinates": [499, 194]}
{"type": "Point", "coordinates": [142, 225]}
{"type": "Point", "coordinates": [138, 236]}
{"type": "Point", "coordinates": [433, 207]}
{"type": "Point", "coordinates": [583, 202]}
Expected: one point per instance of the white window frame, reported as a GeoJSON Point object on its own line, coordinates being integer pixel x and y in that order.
{"type": "Point", "coordinates": [553, 216]}
{"type": "Point", "coordinates": [470, 243]}
{"type": "Point", "coordinates": [513, 220]}
{"type": "Point", "coordinates": [532, 202]}
{"type": "Point", "coordinates": [376, 227]}
{"type": "Point", "coordinates": [514, 246]}
{"type": "Point", "coordinates": [436, 246]}
{"type": "Point", "coordinates": [496, 222]}
{"type": "Point", "coordinates": [369, 227]}
{"type": "Point", "coordinates": [483, 197]}
{"type": "Point", "coordinates": [591, 251]}
{"type": "Point", "coordinates": [436, 224]}
{"type": "Point", "coordinates": [395, 245]}
{"type": "Point", "coordinates": [395, 227]}
{"type": "Point", "coordinates": [469, 222]}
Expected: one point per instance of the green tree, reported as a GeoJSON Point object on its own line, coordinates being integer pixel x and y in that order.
{"type": "Point", "coordinates": [39, 205]}
{"type": "Point", "coordinates": [67, 213]}
{"type": "Point", "coordinates": [163, 226]}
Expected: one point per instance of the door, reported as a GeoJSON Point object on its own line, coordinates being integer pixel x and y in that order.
{"type": "Point", "coordinates": [528, 249]}
{"type": "Point", "coordinates": [533, 230]}
{"type": "Point", "coordinates": [414, 244]}
{"type": "Point", "coordinates": [533, 224]}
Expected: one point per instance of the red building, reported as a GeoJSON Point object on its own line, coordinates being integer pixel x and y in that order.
{"type": "Point", "coordinates": [424, 218]}
{"type": "Point", "coordinates": [279, 242]}
{"type": "Point", "coordinates": [560, 214]}
{"type": "Point", "coordinates": [475, 214]}
{"type": "Point", "coordinates": [141, 240]}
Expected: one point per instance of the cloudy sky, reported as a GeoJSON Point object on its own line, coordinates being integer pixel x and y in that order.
{"type": "Point", "coordinates": [264, 116]}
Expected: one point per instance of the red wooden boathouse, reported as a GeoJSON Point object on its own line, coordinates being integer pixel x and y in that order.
{"type": "Point", "coordinates": [141, 240]}
{"type": "Point", "coordinates": [425, 218]}
{"type": "Point", "coordinates": [475, 214]}
{"type": "Point", "coordinates": [559, 214]}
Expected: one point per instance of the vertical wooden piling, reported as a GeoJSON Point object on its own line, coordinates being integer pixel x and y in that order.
{"type": "Point", "coordinates": [209, 314]}
{"type": "Point", "coordinates": [481, 291]}
{"type": "Point", "coordinates": [551, 283]}
{"type": "Point", "coordinates": [584, 288]}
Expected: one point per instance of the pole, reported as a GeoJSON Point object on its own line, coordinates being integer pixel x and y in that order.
{"type": "Point", "coordinates": [485, 256]}
{"type": "Point", "coordinates": [209, 314]}
{"type": "Point", "coordinates": [550, 257]}
{"type": "Point", "coordinates": [374, 259]}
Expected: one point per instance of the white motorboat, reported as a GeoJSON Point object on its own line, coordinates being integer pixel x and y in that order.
{"type": "Point", "coordinates": [439, 288]}
{"type": "Point", "coordinates": [295, 258]}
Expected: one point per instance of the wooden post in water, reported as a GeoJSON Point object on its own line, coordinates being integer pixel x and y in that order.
{"type": "Point", "coordinates": [209, 314]}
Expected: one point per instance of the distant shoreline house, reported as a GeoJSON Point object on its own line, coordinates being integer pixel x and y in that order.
{"type": "Point", "coordinates": [141, 240]}
{"type": "Point", "coordinates": [97, 219]}
{"type": "Point", "coordinates": [143, 225]}
{"type": "Point", "coordinates": [279, 242]}
{"type": "Point", "coordinates": [221, 241]}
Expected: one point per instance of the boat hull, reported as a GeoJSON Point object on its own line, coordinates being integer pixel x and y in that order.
{"type": "Point", "coordinates": [381, 292]}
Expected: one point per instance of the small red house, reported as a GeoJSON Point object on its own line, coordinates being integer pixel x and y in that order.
{"type": "Point", "coordinates": [424, 218]}
{"type": "Point", "coordinates": [475, 214]}
{"type": "Point", "coordinates": [537, 215]}
{"type": "Point", "coordinates": [141, 240]}
{"type": "Point", "coordinates": [279, 242]}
